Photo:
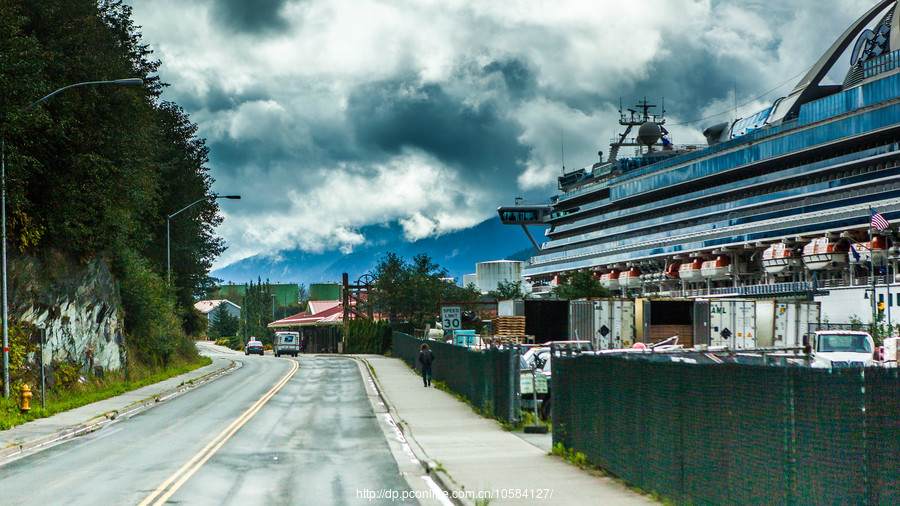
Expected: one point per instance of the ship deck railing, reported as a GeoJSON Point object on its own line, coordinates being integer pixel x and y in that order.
{"type": "Point", "coordinates": [792, 289]}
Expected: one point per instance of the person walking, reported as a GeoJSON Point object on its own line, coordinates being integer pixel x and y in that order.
{"type": "Point", "coordinates": [426, 357]}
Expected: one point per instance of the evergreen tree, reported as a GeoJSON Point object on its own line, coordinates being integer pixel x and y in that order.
{"type": "Point", "coordinates": [256, 312]}
{"type": "Point", "coordinates": [223, 323]}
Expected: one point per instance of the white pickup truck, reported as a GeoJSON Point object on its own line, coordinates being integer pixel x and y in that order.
{"type": "Point", "coordinates": [842, 348]}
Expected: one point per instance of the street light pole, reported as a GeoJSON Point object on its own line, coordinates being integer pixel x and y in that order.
{"type": "Point", "coordinates": [168, 228]}
{"type": "Point", "coordinates": [135, 81]}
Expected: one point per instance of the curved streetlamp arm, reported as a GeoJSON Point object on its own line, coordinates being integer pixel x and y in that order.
{"type": "Point", "coordinates": [185, 208]}
{"type": "Point", "coordinates": [168, 228]}
{"type": "Point", "coordinates": [208, 197]}
{"type": "Point", "coordinates": [135, 81]}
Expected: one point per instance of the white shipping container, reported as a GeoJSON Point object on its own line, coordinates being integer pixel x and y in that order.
{"type": "Point", "coordinates": [732, 323]}
{"type": "Point", "coordinates": [614, 323]}
{"type": "Point", "coordinates": [510, 307]}
{"type": "Point", "coordinates": [581, 322]}
{"type": "Point", "coordinates": [792, 320]}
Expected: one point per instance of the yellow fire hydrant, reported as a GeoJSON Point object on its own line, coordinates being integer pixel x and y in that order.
{"type": "Point", "coordinates": [25, 397]}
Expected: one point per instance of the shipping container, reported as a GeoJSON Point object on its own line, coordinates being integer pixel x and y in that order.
{"type": "Point", "coordinates": [606, 323]}
{"type": "Point", "coordinates": [656, 320]}
{"type": "Point", "coordinates": [732, 323]}
{"type": "Point", "coordinates": [614, 323]}
{"type": "Point", "coordinates": [511, 307]}
{"type": "Point", "coordinates": [792, 321]}
{"type": "Point", "coordinates": [741, 324]}
{"type": "Point", "coordinates": [581, 322]}
{"type": "Point", "coordinates": [546, 320]}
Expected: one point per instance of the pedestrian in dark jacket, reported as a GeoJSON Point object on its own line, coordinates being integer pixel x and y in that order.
{"type": "Point", "coordinates": [426, 357]}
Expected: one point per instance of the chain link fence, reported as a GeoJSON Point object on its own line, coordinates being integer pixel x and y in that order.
{"type": "Point", "coordinates": [488, 378]}
{"type": "Point", "coordinates": [734, 433]}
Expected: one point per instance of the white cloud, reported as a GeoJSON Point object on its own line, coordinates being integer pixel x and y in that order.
{"type": "Point", "coordinates": [280, 99]}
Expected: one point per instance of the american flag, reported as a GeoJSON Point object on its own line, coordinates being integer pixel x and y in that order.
{"type": "Point", "coordinates": [878, 221]}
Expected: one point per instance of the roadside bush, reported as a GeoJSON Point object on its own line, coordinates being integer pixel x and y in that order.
{"type": "Point", "coordinates": [367, 336]}
{"type": "Point", "coordinates": [22, 355]}
{"type": "Point", "coordinates": [154, 331]}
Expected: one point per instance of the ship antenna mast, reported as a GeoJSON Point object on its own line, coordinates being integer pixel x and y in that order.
{"type": "Point", "coordinates": [562, 149]}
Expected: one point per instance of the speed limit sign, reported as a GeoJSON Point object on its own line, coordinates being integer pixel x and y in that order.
{"type": "Point", "coordinates": [450, 318]}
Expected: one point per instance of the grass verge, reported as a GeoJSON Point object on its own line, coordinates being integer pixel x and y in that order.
{"type": "Point", "coordinates": [93, 389]}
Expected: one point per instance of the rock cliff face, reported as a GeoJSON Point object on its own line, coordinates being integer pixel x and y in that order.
{"type": "Point", "coordinates": [77, 305]}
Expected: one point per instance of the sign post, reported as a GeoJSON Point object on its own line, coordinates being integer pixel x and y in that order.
{"type": "Point", "coordinates": [451, 319]}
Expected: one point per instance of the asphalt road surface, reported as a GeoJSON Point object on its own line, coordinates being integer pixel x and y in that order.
{"type": "Point", "coordinates": [267, 433]}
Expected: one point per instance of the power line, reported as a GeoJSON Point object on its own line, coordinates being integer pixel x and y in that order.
{"type": "Point", "coordinates": [745, 103]}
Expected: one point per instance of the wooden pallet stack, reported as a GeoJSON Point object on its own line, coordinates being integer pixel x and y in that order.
{"type": "Point", "coordinates": [509, 330]}
{"type": "Point", "coordinates": [508, 325]}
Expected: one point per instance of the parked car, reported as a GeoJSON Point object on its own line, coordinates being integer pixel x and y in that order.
{"type": "Point", "coordinates": [254, 347]}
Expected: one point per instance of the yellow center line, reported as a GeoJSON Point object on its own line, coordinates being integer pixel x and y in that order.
{"type": "Point", "coordinates": [196, 462]}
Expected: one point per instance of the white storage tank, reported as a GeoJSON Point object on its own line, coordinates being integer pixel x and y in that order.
{"type": "Point", "coordinates": [490, 274]}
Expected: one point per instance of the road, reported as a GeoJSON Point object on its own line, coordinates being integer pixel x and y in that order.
{"type": "Point", "coordinates": [237, 440]}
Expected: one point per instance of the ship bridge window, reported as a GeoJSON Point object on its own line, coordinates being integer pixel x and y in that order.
{"type": "Point", "coordinates": [520, 216]}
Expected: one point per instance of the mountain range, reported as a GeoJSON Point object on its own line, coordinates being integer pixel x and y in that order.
{"type": "Point", "coordinates": [458, 252]}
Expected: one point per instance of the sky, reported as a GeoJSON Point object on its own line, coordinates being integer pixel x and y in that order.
{"type": "Point", "coordinates": [333, 116]}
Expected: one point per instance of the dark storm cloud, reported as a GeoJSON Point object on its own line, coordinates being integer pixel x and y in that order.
{"type": "Point", "coordinates": [518, 77]}
{"type": "Point", "coordinates": [389, 116]}
{"type": "Point", "coordinates": [251, 16]}
{"type": "Point", "coordinates": [216, 98]}
{"type": "Point", "coordinates": [688, 78]}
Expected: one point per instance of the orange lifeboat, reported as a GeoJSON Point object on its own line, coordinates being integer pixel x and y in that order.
{"type": "Point", "coordinates": [631, 278]}
{"type": "Point", "coordinates": [874, 250]}
{"type": "Point", "coordinates": [691, 271]}
{"type": "Point", "coordinates": [720, 268]}
{"type": "Point", "coordinates": [822, 253]}
{"type": "Point", "coordinates": [779, 258]}
{"type": "Point", "coordinates": [672, 271]}
{"type": "Point", "coordinates": [610, 280]}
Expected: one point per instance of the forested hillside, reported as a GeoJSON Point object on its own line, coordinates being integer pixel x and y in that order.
{"type": "Point", "coordinates": [94, 171]}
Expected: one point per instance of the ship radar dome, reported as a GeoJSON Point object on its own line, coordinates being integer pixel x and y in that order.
{"type": "Point", "coordinates": [649, 133]}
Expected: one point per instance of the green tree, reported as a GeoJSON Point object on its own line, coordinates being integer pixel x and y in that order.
{"type": "Point", "coordinates": [427, 280]}
{"type": "Point", "coordinates": [409, 293]}
{"type": "Point", "coordinates": [256, 312]}
{"type": "Point", "coordinates": [223, 323]}
{"type": "Point", "coordinates": [507, 290]}
{"type": "Point", "coordinates": [95, 171]}
{"type": "Point", "coordinates": [579, 285]}
{"type": "Point", "coordinates": [389, 297]}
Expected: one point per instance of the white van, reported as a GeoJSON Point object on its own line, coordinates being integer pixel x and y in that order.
{"type": "Point", "coordinates": [287, 343]}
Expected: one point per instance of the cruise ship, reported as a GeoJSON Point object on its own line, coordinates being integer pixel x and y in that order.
{"type": "Point", "coordinates": [788, 202]}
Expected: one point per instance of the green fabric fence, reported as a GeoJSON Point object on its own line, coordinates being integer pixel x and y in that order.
{"type": "Point", "coordinates": [489, 378]}
{"type": "Point", "coordinates": [734, 433]}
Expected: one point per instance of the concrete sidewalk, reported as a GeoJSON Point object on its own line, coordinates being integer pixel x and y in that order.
{"type": "Point", "coordinates": [472, 454]}
{"type": "Point", "coordinates": [43, 432]}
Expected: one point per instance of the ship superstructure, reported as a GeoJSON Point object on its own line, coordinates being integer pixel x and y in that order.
{"type": "Point", "coordinates": [776, 203]}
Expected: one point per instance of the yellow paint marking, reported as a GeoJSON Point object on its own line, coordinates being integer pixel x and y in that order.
{"type": "Point", "coordinates": [180, 477]}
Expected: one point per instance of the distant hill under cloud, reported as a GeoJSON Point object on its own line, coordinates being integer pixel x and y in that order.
{"type": "Point", "coordinates": [457, 252]}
